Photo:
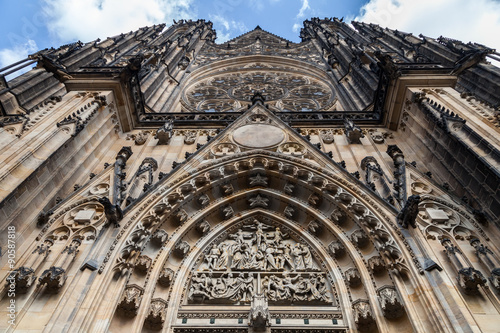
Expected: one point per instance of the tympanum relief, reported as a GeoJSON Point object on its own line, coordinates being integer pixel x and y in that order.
{"type": "Point", "coordinates": [258, 257]}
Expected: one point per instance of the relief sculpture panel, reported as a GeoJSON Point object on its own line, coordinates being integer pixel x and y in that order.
{"type": "Point", "coordinates": [258, 258]}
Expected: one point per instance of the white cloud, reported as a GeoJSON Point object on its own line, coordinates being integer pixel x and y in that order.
{"type": "Point", "coordinates": [302, 11]}
{"type": "Point", "coordinates": [86, 20]}
{"type": "Point", "coordinates": [9, 56]}
{"type": "Point", "coordinates": [296, 27]}
{"type": "Point", "coordinates": [227, 28]}
{"type": "Point", "coordinates": [465, 20]}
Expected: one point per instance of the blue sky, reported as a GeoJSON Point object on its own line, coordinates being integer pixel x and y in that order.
{"type": "Point", "coordinates": [30, 25]}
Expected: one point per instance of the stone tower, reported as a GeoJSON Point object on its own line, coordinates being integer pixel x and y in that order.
{"type": "Point", "coordinates": [159, 181]}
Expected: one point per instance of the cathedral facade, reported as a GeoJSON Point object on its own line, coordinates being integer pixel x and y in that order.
{"type": "Point", "coordinates": [157, 181]}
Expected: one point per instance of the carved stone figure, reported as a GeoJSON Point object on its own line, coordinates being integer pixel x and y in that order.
{"type": "Point", "coordinates": [314, 227]}
{"type": "Point", "coordinates": [113, 213]}
{"type": "Point", "coordinates": [352, 131]}
{"type": "Point", "coordinates": [408, 214]}
{"type": "Point", "coordinates": [164, 133]}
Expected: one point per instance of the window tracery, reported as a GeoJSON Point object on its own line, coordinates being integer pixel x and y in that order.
{"type": "Point", "coordinates": [284, 91]}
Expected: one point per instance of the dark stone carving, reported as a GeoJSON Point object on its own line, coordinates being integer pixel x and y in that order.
{"type": "Point", "coordinates": [113, 213]}
{"type": "Point", "coordinates": [53, 278]}
{"type": "Point", "coordinates": [400, 174]}
{"type": "Point", "coordinates": [164, 133]}
{"type": "Point", "coordinates": [44, 217]}
{"type": "Point", "coordinates": [353, 132]}
{"type": "Point", "coordinates": [408, 215]}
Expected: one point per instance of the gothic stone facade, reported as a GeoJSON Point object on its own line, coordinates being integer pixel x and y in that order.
{"type": "Point", "coordinates": [159, 181]}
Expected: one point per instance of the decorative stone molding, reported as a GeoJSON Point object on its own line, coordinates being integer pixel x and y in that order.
{"type": "Point", "coordinates": [130, 300]}
{"type": "Point", "coordinates": [292, 149]}
{"type": "Point", "coordinates": [489, 259]}
{"type": "Point", "coordinates": [389, 302]}
{"type": "Point", "coordinates": [353, 277]}
{"type": "Point", "coordinates": [155, 318]}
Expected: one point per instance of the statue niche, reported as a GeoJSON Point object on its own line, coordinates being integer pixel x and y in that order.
{"type": "Point", "coordinates": [258, 258]}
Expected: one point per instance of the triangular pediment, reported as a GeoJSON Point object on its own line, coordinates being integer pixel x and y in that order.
{"type": "Point", "coordinates": [257, 34]}
{"type": "Point", "coordinates": [259, 129]}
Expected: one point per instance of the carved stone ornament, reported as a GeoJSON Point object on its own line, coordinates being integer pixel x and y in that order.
{"type": "Point", "coordinates": [314, 227]}
{"type": "Point", "coordinates": [53, 278]}
{"type": "Point", "coordinates": [258, 201]}
{"type": "Point", "coordinates": [142, 263]}
{"type": "Point", "coordinates": [377, 137]}
{"type": "Point", "coordinates": [130, 300]}
{"type": "Point", "coordinates": [337, 249]}
{"type": "Point", "coordinates": [141, 137]}
{"type": "Point", "coordinates": [469, 278]}
{"type": "Point", "coordinates": [353, 277]}
{"type": "Point", "coordinates": [203, 227]}
{"type": "Point", "coordinates": [181, 216]}
{"type": "Point", "coordinates": [227, 189]}
{"type": "Point", "coordinates": [289, 211]}
{"type": "Point", "coordinates": [181, 249]}
{"type": "Point", "coordinates": [259, 317]}
{"type": "Point", "coordinates": [166, 277]}
{"type": "Point", "coordinates": [160, 236]}
{"type": "Point", "coordinates": [314, 200]}
{"type": "Point", "coordinates": [22, 278]}
{"type": "Point", "coordinates": [292, 148]}
{"type": "Point", "coordinates": [227, 212]}
{"type": "Point", "coordinates": [408, 214]}
{"type": "Point", "coordinates": [376, 265]}
{"type": "Point", "coordinates": [363, 315]}
{"type": "Point", "coordinates": [257, 257]}
{"type": "Point", "coordinates": [327, 136]}
{"type": "Point", "coordinates": [360, 238]}
{"type": "Point", "coordinates": [390, 302]}
{"type": "Point", "coordinates": [164, 133]}
{"type": "Point", "coordinates": [353, 132]}
{"type": "Point", "coordinates": [258, 180]}
{"type": "Point", "coordinates": [156, 314]}
{"type": "Point", "coordinates": [203, 200]}
{"type": "Point", "coordinates": [225, 149]}
{"type": "Point", "coordinates": [190, 137]}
